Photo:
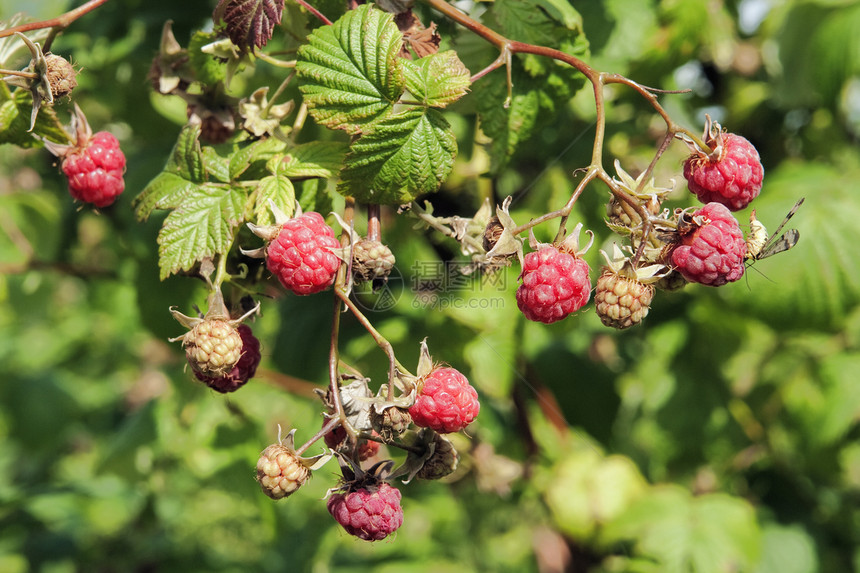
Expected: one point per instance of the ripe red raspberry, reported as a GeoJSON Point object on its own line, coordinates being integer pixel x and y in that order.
{"type": "Point", "coordinates": [555, 284]}
{"type": "Point", "coordinates": [371, 513]}
{"type": "Point", "coordinates": [280, 472]}
{"type": "Point", "coordinates": [300, 255]}
{"type": "Point", "coordinates": [621, 301]}
{"type": "Point", "coordinates": [446, 402]}
{"type": "Point", "coordinates": [729, 173]}
{"type": "Point", "coordinates": [243, 370]}
{"type": "Point", "coordinates": [712, 253]}
{"type": "Point", "coordinates": [95, 170]}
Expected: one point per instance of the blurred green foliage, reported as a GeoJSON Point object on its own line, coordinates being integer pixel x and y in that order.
{"type": "Point", "coordinates": [720, 435]}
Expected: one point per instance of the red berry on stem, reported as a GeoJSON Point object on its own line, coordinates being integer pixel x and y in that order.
{"type": "Point", "coordinates": [300, 255]}
{"type": "Point", "coordinates": [95, 171]}
{"type": "Point", "coordinates": [555, 285]}
{"type": "Point", "coordinates": [370, 513]}
{"type": "Point", "coordinates": [730, 174]}
{"type": "Point", "coordinates": [446, 402]}
{"type": "Point", "coordinates": [713, 252]}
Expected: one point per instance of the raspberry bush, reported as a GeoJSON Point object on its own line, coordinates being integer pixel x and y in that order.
{"type": "Point", "coordinates": [325, 186]}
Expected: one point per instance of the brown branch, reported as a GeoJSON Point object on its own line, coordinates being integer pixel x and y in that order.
{"type": "Point", "coordinates": [60, 22]}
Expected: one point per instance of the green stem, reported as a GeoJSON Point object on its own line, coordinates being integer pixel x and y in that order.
{"type": "Point", "coordinates": [274, 61]}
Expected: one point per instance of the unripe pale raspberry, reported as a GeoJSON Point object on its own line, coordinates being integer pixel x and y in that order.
{"type": "Point", "coordinates": [95, 170]}
{"type": "Point", "coordinates": [446, 402]}
{"type": "Point", "coordinates": [370, 513]}
{"type": "Point", "coordinates": [731, 174]}
{"type": "Point", "coordinates": [61, 75]}
{"type": "Point", "coordinates": [621, 301]}
{"type": "Point", "coordinates": [371, 260]}
{"type": "Point", "coordinates": [280, 472]}
{"type": "Point", "coordinates": [213, 347]}
{"type": "Point", "coordinates": [244, 369]}
{"type": "Point", "coordinates": [713, 252]}
{"type": "Point", "coordinates": [555, 284]}
{"type": "Point", "coordinates": [442, 462]}
{"type": "Point", "coordinates": [300, 255]}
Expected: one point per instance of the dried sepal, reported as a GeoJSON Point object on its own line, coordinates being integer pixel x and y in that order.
{"type": "Point", "coordinates": [261, 117]}
{"type": "Point", "coordinates": [169, 70]}
{"type": "Point", "coordinates": [430, 456]}
{"type": "Point", "coordinates": [622, 265]}
{"type": "Point", "coordinates": [40, 85]}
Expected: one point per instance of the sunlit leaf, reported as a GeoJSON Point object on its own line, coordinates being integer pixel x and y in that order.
{"type": "Point", "coordinates": [350, 70]}
{"type": "Point", "coordinates": [200, 227]}
{"type": "Point", "coordinates": [403, 157]}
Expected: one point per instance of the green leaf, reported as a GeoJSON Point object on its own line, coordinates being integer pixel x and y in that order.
{"type": "Point", "coordinates": [437, 80]}
{"type": "Point", "coordinates": [819, 279]}
{"type": "Point", "coordinates": [403, 157]}
{"type": "Point", "coordinates": [841, 407]}
{"type": "Point", "coordinates": [313, 195]}
{"type": "Point", "coordinates": [15, 110]}
{"type": "Point", "coordinates": [315, 159]}
{"type": "Point", "coordinates": [507, 126]}
{"type": "Point", "coordinates": [202, 226]}
{"type": "Point", "coordinates": [240, 160]}
{"type": "Point", "coordinates": [711, 533]}
{"type": "Point", "coordinates": [215, 165]}
{"type": "Point", "coordinates": [787, 550]}
{"type": "Point", "coordinates": [350, 70]}
{"type": "Point", "coordinates": [165, 191]}
{"type": "Point", "coordinates": [186, 159]}
{"type": "Point", "coordinates": [277, 190]}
